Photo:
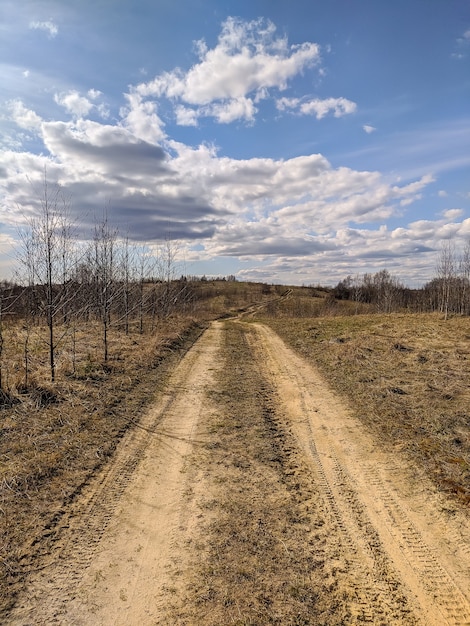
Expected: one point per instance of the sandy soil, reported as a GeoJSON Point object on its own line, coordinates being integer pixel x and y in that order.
{"type": "Point", "coordinates": [127, 548]}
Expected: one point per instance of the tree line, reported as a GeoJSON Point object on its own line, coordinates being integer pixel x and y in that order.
{"type": "Point", "coordinates": [447, 293]}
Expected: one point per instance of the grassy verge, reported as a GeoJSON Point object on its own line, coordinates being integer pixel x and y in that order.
{"type": "Point", "coordinates": [263, 553]}
{"type": "Point", "coordinates": [406, 376]}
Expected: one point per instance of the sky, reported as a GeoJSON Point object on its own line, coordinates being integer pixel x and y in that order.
{"type": "Point", "coordinates": [294, 142]}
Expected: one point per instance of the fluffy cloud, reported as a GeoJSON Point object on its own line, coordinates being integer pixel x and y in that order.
{"type": "Point", "coordinates": [186, 116]}
{"type": "Point", "coordinates": [247, 58]}
{"type": "Point", "coordinates": [74, 103]}
{"type": "Point", "coordinates": [295, 217]}
{"type": "Point", "coordinates": [243, 207]}
{"type": "Point", "coordinates": [452, 214]}
{"type": "Point", "coordinates": [80, 106]}
{"type": "Point", "coordinates": [320, 108]}
{"type": "Point", "coordinates": [292, 218]}
{"type": "Point", "coordinates": [141, 118]}
{"type": "Point", "coordinates": [97, 149]}
{"type": "Point", "coordinates": [368, 129]}
{"type": "Point", "coordinates": [316, 106]}
{"type": "Point", "coordinates": [235, 109]}
{"type": "Point", "coordinates": [248, 61]}
{"type": "Point", "coordinates": [23, 117]}
{"type": "Point", "coordinates": [462, 46]}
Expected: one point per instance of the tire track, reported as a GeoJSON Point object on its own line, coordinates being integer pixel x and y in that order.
{"type": "Point", "coordinates": [64, 588]}
{"type": "Point", "coordinates": [367, 607]}
{"type": "Point", "coordinates": [385, 549]}
{"type": "Point", "coordinates": [420, 556]}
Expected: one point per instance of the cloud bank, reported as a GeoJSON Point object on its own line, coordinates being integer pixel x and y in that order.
{"type": "Point", "coordinates": [292, 220]}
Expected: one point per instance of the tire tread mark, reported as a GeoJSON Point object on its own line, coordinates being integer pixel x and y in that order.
{"type": "Point", "coordinates": [434, 578]}
{"type": "Point", "coordinates": [373, 573]}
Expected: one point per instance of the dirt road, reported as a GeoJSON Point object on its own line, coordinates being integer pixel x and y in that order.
{"type": "Point", "coordinates": [249, 494]}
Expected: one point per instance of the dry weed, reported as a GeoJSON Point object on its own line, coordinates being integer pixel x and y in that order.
{"type": "Point", "coordinates": [263, 553]}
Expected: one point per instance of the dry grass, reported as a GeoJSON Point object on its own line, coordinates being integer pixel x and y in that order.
{"type": "Point", "coordinates": [406, 376]}
{"type": "Point", "coordinates": [264, 553]}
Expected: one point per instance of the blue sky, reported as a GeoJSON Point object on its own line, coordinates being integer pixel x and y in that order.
{"type": "Point", "coordinates": [291, 142]}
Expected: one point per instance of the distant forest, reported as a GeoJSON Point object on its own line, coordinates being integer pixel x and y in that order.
{"type": "Point", "coordinates": [447, 293]}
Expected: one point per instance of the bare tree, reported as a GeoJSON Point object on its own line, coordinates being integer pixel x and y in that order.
{"type": "Point", "coordinates": [126, 270]}
{"type": "Point", "coordinates": [45, 258]}
{"type": "Point", "coordinates": [173, 291]}
{"type": "Point", "coordinates": [146, 268]}
{"type": "Point", "coordinates": [464, 274]}
{"type": "Point", "coordinates": [446, 275]}
{"type": "Point", "coordinates": [388, 291]}
{"type": "Point", "coordinates": [105, 266]}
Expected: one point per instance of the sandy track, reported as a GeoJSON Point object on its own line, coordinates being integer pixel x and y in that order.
{"type": "Point", "coordinates": [117, 547]}
{"type": "Point", "coordinates": [121, 553]}
{"type": "Point", "coordinates": [391, 526]}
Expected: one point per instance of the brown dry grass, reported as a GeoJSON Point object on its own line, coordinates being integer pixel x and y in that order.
{"type": "Point", "coordinates": [406, 376]}
{"type": "Point", "coordinates": [264, 553]}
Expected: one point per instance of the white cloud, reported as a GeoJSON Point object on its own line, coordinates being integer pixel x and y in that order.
{"type": "Point", "coordinates": [94, 94]}
{"type": "Point", "coordinates": [320, 108]}
{"type": "Point", "coordinates": [408, 252]}
{"type": "Point", "coordinates": [80, 106]}
{"type": "Point", "coordinates": [23, 117]}
{"type": "Point", "coordinates": [291, 205]}
{"type": "Point", "coordinates": [452, 214]}
{"type": "Point", "coordinates": [462, 46]}
{"type": "Point", "coordinates": [369, 129]}
{"type": "Point", "coordinates": [8, 247]}
{"type": "Point", "coordinates": [465, 37]}
{"type": "Point", "coordinates": [316, 106]}
{"type": "Point", "coordinates": [74, 103]}
{"type": "Point", "coordinates": [235, 109]}
{"type": "Point", "coordinates": [223, 112]}
{"type": "Point", "coordinates": [103, 110]}
{"type": "Point", "coordinates": [414, 187]}
{"type": "Point", "coordinates": [300, 218]}
{"type": "Point", "coordinates": [186, 116]}
{"type": "Point", "coordinates": [248, 60]}
{"type": "Point", "coordinates": [97, 150]}
{"type": "Point", "coordinates": [141, 118]}
{"type": "Point", "coordinates": [47, 26]}
{"type": "Point", "coordinates": [442, 194]}
{"type": "Point", "coordinates": [283, 104]}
